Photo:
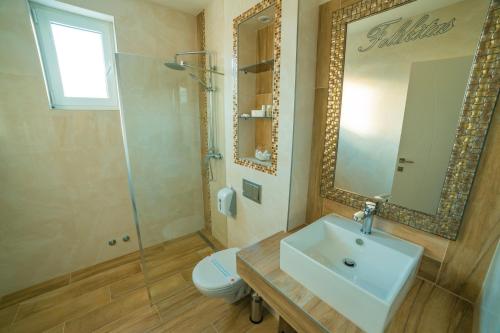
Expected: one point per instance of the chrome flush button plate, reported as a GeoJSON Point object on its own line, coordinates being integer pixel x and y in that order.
{"type": "Point", "coordinates": [252, 191]}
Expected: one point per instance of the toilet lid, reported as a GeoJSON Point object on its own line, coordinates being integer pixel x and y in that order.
{"type": "Point", "coordinates": [217, 271]}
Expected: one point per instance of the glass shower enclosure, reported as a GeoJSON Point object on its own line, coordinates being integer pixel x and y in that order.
{"type": "Point", "coordinates": [161, 129]}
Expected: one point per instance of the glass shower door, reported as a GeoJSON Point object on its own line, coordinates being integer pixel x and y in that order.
{"type": "Point", "coordinates": [161, 128]}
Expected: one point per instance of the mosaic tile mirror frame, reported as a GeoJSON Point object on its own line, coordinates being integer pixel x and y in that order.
{"type": "Point", "coordinates": [468, 138]}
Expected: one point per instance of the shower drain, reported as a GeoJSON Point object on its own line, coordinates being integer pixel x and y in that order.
{"type": "Point", "coordinates": [349, 262]}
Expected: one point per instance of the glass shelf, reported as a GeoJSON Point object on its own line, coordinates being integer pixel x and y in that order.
{"type": "Point", "coordinates": [258, 68]}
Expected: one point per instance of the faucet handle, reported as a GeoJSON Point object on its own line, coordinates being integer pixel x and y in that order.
{"type": "Point", "coordinates": [370, 208]}
{"type": "Point", "coordinates": [370, 205]}
{"type": "Point", "coordinates": [359, 216]}
{"type": "Point", "coordinates": [382, 198]}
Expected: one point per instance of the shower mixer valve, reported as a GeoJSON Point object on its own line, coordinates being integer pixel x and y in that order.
{"type": "Point", "coordinates": [213, 155]}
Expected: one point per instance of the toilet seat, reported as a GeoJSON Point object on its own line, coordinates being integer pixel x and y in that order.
{"type": "Point", "coordinates": [215, 276]}
{"type": "Point", "coordinates": [217, 272]}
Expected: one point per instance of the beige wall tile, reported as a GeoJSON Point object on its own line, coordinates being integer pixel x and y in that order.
{"type": "Point", "coordinates": [63, 173]}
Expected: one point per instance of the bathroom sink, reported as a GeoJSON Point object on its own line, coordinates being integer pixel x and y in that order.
{"type": "Point", "coordinates": [363, 277]}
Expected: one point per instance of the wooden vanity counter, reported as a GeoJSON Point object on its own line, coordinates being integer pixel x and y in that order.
{"type": "Point", "coordinates": [427, 308]}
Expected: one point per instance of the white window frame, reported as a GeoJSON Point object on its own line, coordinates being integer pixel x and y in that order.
{"type": "Point", "coordinates": [43, 16]}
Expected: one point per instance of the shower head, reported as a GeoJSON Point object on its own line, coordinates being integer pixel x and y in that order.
{"type": "Point", "coordinates": [176, 66]}
{"type": "Point", "coordinates": [182, 65]}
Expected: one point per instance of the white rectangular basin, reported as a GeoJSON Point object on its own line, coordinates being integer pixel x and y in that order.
{"type": "Point", "coordinates": [368, 293]}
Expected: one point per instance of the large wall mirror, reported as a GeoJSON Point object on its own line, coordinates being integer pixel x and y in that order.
{"type": "Point", "coordinates": [256, 51]}
{"type": "Point", "coordinates": [412, 88]}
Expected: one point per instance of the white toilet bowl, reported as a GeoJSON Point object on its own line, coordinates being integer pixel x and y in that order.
{"type": "Point", "coordinates": [215, 276]}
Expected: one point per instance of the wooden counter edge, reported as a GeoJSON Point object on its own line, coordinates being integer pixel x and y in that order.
{"type": "Point", "coordinates": [292, 313]}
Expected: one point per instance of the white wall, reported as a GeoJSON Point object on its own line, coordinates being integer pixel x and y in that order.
{"type": "Point", "coordinates": [253, 221]}
{"type": "Point", "coordinates": [304, 110]}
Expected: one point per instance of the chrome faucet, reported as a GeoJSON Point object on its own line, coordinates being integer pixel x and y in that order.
{"type": "Point", "coordinates": [365, 216]}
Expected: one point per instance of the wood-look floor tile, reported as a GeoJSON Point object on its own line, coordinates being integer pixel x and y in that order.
{"type": "Point", "coordinates": [205, 252]}
{"type": "Point", "coordinates": [167, 327]}
{"type": "Point", "coordinates": [444, 312]}
{"type": "Point", "coordinates": [107, 265]}
{"type": "Point", "coordinates": [168, 255]}
{"type": "Point", "coordinates": [196, 318]}
{"type": "Point", "coordinates": [187, 273]}
{"type": "Point", "coordinates": [235, 318]}
{"type": "Point", "coordinates": [7, 317]}
{"type": "Point", "coordinates": [179, 303]}
{"type": "Point", "coordinates": [56, 329]}
{"type": "Point", "coordinates": [103, 315]}
{"type": "Point", "coordinates": [209, 329]}
{"type": "Point", "coordinates": [191, 312]}
{"type": "Point", "coordinates": [34, 291]}
{"type": "Point", "coordinates": [139, 321]}
{"type": "Point", "coordinates": [164, 288]}
{"type": "Point", "coordinates": [206, 311]}
{"type": "Point", "coordinates": [268, 325]}
{"type": "Point", "coordinates": [184, 244]}
{"type": "Point", "coordinates": [408, 308]}
{"type": "Point", "coordinates": [206, 328]}
{"type": "Point", "coordinates": [58, 314]}
{"type": "Point", "coordinates": [153, 250]}
{"type": "Point", "coordinates": [172, 266]}
{"type": "Point", "coordinates": [127, 284]}
{"type": "Point", "coordinates": [428, 308]}
{"type": "Point", "coordinates": [69, 292]}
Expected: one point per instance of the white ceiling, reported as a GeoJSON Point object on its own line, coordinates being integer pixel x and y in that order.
{"type": "Point", "coordinates": [192, 7]}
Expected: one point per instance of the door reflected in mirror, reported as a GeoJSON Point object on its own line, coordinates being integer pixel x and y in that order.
{"type": "Point", "coordinates": [405, 76]}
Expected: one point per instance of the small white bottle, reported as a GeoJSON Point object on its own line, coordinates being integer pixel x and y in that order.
{"type": "Point", "coordinates": [269, 110]}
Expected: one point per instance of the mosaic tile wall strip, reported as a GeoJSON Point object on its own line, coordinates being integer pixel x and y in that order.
{"type": "Point", "coordinates": [203, 109]}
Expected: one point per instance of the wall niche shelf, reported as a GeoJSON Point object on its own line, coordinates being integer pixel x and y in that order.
{"type": "Point", "coordinates": [253, 118]}
{"type": "Point", "coordinates": [260, 67]}
{"type": "Point", "coordinates": [255, 160]}
{"type": "Point", "coordinates": [255, 55]}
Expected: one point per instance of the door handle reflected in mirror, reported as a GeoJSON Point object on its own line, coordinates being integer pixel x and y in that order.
{"type": "Point", "coordinates": [404, 160]}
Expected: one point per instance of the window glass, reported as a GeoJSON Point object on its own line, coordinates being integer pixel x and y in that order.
{"type": "Point", "coordinates": [80, 56]}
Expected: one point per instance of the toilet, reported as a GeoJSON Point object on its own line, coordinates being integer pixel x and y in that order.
{"type": "Point", "coordinates": [215, 276]}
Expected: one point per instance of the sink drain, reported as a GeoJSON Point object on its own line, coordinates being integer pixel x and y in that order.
{"type": "Point", "coordinates": [349, 262]}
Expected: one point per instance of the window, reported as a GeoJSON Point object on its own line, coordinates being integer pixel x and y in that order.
{"type": "Point", "coordinates": [77, 56]}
